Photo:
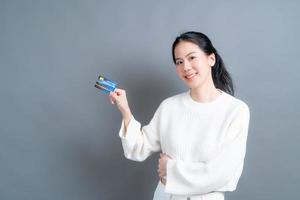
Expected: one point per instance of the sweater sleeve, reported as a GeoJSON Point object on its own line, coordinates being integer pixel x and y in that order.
{"type": "Point", "coordinates": [188, 178]}
{"type": "Point", "coordinates": [139, 143]}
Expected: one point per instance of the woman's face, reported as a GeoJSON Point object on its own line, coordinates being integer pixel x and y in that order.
{"type": "Point", "coordinates": [193, 66]}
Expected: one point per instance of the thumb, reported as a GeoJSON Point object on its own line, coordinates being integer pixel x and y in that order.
{"type": "Point", "coordinates": [119, 91]}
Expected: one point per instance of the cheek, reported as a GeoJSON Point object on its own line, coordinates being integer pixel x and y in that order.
{"type": "Point", "coordinates": [202, 67]}
{"type": "Point", "coordinates": [178, 71]}
{"type": "Point", "coordinates": [204, 71]}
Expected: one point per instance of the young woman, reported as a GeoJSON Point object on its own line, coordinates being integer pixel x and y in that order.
{"type": "Point", "coordinates": [201, 132]}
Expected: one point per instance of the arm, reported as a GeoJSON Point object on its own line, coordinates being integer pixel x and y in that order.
{"type": "Point", "coordinates": [203, 177]}
{"type": "Point", "coordinates": [139, 143]}
{"type": "Point", "coordinates": [126, 119]}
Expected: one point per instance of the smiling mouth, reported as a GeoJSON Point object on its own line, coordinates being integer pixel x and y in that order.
{"type": "Point", "coordinates": [190, 76]}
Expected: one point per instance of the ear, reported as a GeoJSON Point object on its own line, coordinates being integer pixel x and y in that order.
{"type": "Point", "coordinates": [212, 59]}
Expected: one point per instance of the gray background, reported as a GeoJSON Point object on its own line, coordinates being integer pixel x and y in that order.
{"type": "Point", "coordinates": [58, 134]}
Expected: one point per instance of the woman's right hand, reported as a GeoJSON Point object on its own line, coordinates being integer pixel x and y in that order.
{"type": "Point", "coordinates": [118, 97]}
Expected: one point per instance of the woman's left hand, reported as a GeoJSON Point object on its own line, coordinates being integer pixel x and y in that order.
{"type": "Point", "coordinates": [162, 165]}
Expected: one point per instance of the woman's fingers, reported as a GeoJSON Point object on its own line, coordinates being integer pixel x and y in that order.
{"type": "Point", "coordinates": [160, 171]}
{"type": "Point", "coordinates": [110, 98]}
{"type": "Point", "coordinates": [162, 162]}
{"type": "Point", "coordinates": [119, 92]}
{"type": "Point", "coordinates": [160, 174]}
{"type": "Point", "coordinates": [119, 98]}
{"type": "Point", "coordinates": [114, 97]}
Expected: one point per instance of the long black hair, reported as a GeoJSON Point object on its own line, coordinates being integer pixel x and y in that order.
{"type": "Point", "coordinates": [221, 78]}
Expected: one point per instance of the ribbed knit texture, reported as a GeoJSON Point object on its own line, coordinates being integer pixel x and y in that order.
{"type": "Point", "coordinates": [206, 141]}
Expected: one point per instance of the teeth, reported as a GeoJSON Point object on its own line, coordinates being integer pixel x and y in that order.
{"type": "Point", "coordinates": [190, 76]}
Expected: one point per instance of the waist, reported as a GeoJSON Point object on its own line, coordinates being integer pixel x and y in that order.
{"type": "Point", "coordinates": [160, 194]}
{"type": "Point", "coordinates": [208, 196]}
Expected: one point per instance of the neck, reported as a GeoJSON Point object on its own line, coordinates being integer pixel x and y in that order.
{"type": "Point", "coordinates": [206, 93]}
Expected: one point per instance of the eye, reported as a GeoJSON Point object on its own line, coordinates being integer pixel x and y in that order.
{"type": "Point", "coordinates": [178, 62]}
{"type": "Point", "coordinates": [192, 57]}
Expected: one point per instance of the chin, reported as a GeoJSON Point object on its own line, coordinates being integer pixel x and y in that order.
{"type": "Point", "coordinates": [193, 85]}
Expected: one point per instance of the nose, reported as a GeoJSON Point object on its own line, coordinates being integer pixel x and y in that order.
{"type": "Point", "coordinates": [186, 66]}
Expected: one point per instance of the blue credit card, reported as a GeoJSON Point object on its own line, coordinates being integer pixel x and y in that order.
{"type": "Point", "coordinates": [105, 85]}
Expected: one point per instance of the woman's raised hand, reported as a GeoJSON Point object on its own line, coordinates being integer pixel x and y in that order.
{"type": "Point", "coordinates": [118, 97]}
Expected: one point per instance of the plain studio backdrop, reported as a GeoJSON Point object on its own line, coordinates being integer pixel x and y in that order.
{"type": "Point", "coordinates": [59, 135]}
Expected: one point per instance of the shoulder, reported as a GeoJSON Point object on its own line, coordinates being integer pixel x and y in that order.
{"type": "Point", "coordinates": [237, 106]}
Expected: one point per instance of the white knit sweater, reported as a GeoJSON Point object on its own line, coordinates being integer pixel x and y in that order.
{"type": "Point", "coordinates": [206, 141]}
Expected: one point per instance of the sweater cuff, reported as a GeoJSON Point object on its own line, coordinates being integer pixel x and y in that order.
{"type": "Point", "coordinates": [133, 129]}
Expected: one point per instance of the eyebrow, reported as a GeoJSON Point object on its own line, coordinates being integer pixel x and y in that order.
{"type": "Point", "coordinates": [187, 55]}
